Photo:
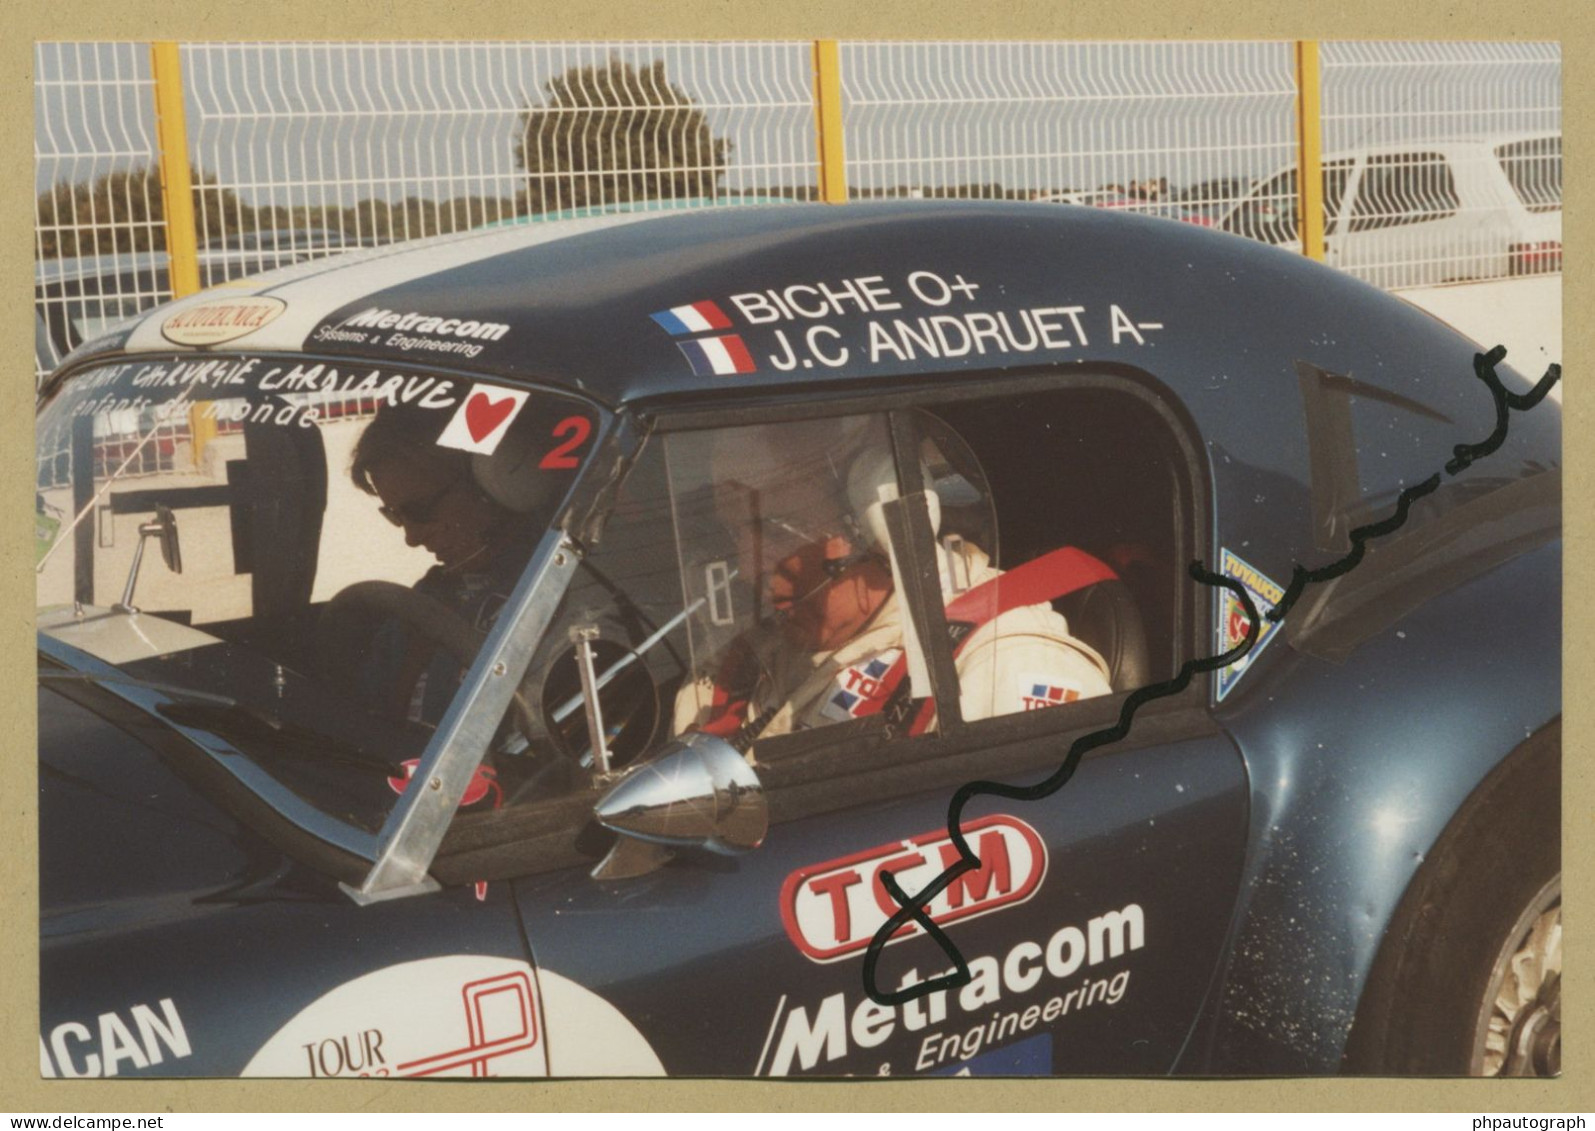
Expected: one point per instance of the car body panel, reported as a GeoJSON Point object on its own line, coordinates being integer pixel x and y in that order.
{"type": "Point", "coordinates": [768, 1008]}
{"type": "Point", "coordinates": [1343, 817]}
{"type": "Point", "coordinates": [183, 950]}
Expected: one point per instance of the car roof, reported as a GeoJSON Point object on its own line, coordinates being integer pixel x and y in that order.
{"type": "Point", "coordinates": [585, 304]}
{"type": "Point", "coordinates": [1479, 141]}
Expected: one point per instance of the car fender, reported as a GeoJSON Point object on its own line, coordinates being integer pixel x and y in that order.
{"type": "Point", "coordinates": [1349, 796]}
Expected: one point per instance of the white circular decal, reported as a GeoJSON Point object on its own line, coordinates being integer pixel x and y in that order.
{"type": "Point", "coordinates": [221, 320]}
{"type": "Point", "coordinates": [459, 1015]}
{"type": "Point", "coordinates": [462, 1015]}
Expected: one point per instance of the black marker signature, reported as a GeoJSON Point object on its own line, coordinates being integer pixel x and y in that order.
{"type": "Point", "coordinates": [911, 909]}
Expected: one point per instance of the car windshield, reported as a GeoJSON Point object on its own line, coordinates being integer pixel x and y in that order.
{"type": "Point", "coordinates": [292, 559]}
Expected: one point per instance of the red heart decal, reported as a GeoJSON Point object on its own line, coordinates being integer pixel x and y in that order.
{"type": "Point", "coordinates": [483, 415]}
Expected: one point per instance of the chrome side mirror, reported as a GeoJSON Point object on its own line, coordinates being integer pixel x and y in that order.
{"type": "Point", "coordinates": [699, 792]}
{"type": "Point", "coordinates": [163, 528]}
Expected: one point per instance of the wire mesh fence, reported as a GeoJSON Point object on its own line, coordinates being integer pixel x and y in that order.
{"type": "Point", "coordinates": [1456, 157]}
{"type": "Point", "coordinates": [1442, 160]}
{"type": "Point", "coordinates": [1174, 129]}
{"type": "Point", "coordinates": [319, 147]}
{"type": "Point", "coordinates": [97, 225]}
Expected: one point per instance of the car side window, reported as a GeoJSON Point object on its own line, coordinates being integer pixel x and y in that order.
{"type": "Point", "coordinates": [1272, 212]}
{"type": "Point", "coordinates": [1534, 169]}
{"type": "Point", "coordinates": [1404, 188]}
{"type": "Point", "coordinates": [1336, 174]}
{"type": "Point", "coordinates": [1269, 212]}
{"type": "Point", "coordinates": [791, 581]}
{"type": "Point", "coordinates": [802, 548]}
{"type": "Point", "coordinates": [1079, 599]}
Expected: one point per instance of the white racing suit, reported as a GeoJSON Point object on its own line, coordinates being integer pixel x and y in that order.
{"type": "Point", "coordinates": [1023, 659]}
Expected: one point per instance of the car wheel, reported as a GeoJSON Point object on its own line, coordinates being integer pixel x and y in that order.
{"type": "Point", "coordinates": [1468, 976]}
{"type": "Point", "coordinates": [1519, 1028]}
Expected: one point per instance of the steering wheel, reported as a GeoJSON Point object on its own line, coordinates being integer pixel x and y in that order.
{"type": "Point", "coordinates": [347, 621]}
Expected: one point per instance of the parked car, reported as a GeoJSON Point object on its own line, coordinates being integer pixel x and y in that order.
{"type": "Point", "coordinates": [1213, 197]}
{"type": "Point", "coordinates": [282, 834]}
{"type": "Point", "coordinates": [1424, 213]}
{"type": "Point", "coordinates": [1106, 198]}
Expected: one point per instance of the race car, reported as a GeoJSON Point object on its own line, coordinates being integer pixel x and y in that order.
{"type": "Point", "coordinates": [399, 615]}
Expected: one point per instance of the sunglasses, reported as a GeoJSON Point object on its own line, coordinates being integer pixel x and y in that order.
{"type": "Point", "coordinates": [422, 511]}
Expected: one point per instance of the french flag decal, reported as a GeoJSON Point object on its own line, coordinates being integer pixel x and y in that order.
{"type": "Point", "coordinates": [718, 357]}
{"type": "Point", "coordinates": [694, 318]}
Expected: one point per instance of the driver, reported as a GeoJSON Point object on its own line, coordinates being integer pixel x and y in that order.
{"type": "Point", "coordinates": [430, 493]}
{"type": "Point", "coordinates": [827, 642]}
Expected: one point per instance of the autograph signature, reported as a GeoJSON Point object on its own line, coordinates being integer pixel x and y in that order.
{"type": "Point", "coordinates": [911, 908]}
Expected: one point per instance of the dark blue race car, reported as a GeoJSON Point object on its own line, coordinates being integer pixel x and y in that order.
{"type": "Point", "coordinates": [548, 650]}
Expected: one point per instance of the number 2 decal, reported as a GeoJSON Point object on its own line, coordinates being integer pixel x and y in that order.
{"type": "Point", "coordinates": [578, 428]}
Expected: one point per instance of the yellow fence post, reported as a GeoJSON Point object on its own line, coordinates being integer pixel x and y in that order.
{"type": "Point", "coordinates": [828, 117]}
{"type": "Point", "coordinates": [177, 181]}
{"type": "Point", "coordinates": [1310, 147]}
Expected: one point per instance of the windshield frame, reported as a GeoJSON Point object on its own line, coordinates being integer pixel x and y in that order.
{"type": "Point", "coordinates": [401, 852]}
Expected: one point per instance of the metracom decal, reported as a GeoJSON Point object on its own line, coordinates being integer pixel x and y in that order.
{"type": "Point", "coordinates": [801, 1039]}
{"type": "Point", "coordinates": [459, 1015]}
{"type": "Point", "coordinates": [831, 909]}
{"type": "Point", "coordinates": [482, 419]}
{"type": "Point", "coordinates": [1232, 621]}
{"type": "Point", "coordinates": [224, 320]}
{"type": "Point", "coordinates": [413, 332]}
{"type": "Point", "coordinates": [114, 1042]}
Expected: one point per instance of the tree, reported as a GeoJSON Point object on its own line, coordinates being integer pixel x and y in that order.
{"type": "Point", "coordinates": [611, 133]}
{"type": "Point", "coordinates": [124, 212]}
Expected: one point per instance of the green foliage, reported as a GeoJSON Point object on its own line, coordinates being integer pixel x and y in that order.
{"type": "Point", "coordinates": [123, 211]}
{"type": "Point", "coordinates": [604, 134]}
{"type": "Point", "coordinates": [612, 133]}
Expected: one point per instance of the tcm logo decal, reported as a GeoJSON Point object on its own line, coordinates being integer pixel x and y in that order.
{"type": "Point", "coordinates": [212, 323]}
{"type": "Point", "coordinates": [832, 910]}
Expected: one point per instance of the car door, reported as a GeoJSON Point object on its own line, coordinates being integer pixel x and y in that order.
{"type": "Point", "coordinates": [1094, 920]}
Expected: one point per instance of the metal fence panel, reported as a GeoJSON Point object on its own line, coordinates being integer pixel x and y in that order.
{"type": "Point", "coordinates": [98, 238]}
{"type": "Point", "coordinates": [319, 147]}
{"type": "Point", "coordinates": [1175, 129]}
{"type": "Point", "coordinates": [1453, 152]}
{"type": "Point", "coordinates": [1442, 160]}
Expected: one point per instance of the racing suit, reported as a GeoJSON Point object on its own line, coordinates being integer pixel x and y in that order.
{"type": "Point", "coordinates": [1022, 659]}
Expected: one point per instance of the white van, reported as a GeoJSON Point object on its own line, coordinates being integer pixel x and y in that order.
{"type": "Point", "coordinates": [1425, 212]}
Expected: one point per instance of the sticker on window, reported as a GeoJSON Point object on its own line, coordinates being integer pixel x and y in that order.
{"type": "Point", "coordinates": [1232, 620]}
{"type": "Point", "coordinates": [483, 419]}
